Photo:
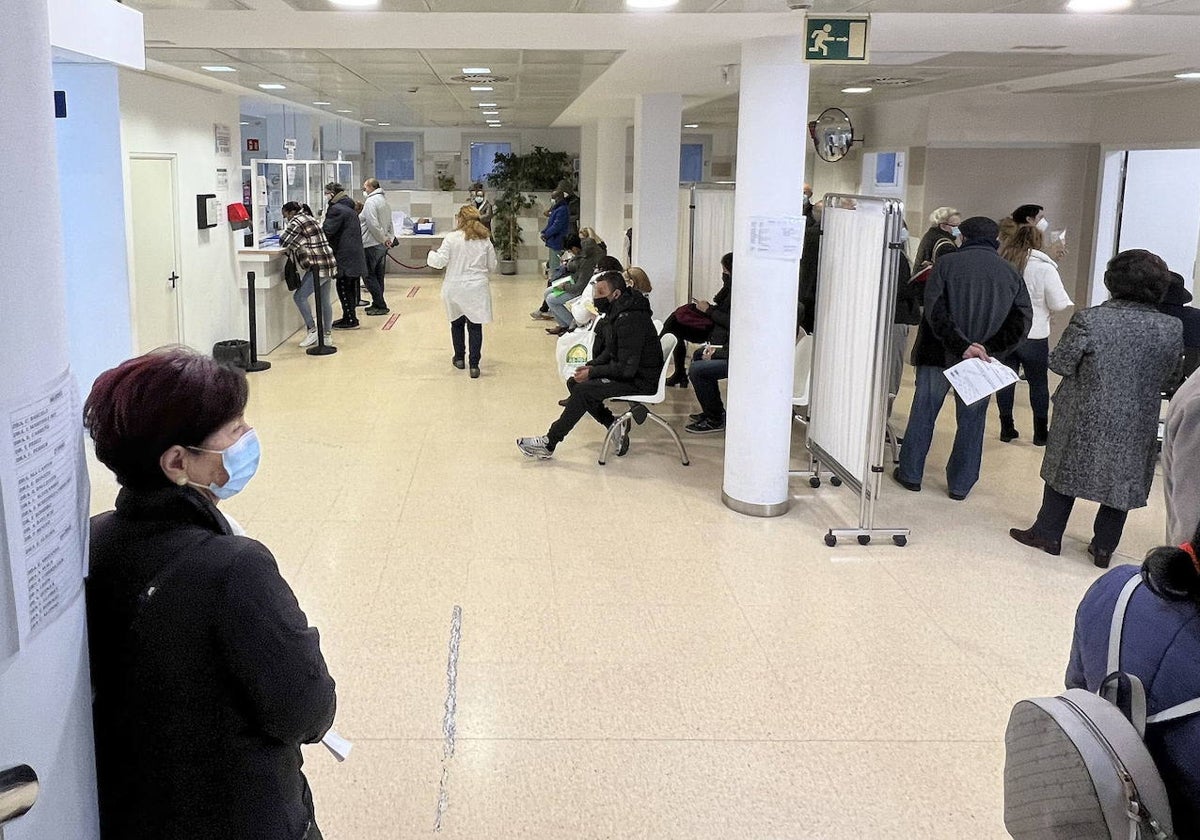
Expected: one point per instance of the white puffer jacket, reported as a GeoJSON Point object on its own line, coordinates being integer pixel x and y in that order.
{"type": "Point", "coordinates": [1046, 292]}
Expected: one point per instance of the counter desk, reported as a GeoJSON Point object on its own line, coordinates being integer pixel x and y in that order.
{"type": "Point", "coordinates": [275, 311]}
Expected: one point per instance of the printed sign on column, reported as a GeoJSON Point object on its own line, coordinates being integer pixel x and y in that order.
{"type": "Point", "coordinates": [44, 491]}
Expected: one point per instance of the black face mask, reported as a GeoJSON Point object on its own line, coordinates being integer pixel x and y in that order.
{"type": "Point", "coordinates": [603, 305]}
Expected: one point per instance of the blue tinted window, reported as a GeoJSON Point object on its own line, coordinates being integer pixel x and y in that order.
{"type": "Point", "coordinates": [691, 162]}
{"type": "Point", "coordinates": [483, 158]}
{"type": "Point", "coordinates": [394, 161]}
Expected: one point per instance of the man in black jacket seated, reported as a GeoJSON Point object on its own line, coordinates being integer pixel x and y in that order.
{"type": "Point", "coordinates": [629, 361]}
{"type": "Point", "coordinates": [976, 306]}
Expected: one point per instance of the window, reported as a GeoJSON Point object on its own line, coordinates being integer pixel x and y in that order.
{"type": "Point", "coordinates": [691, 162]}
{"type": "Point", "coordinates": [483, 158]}
{"type": "Point", "coordinates": [395, 160]}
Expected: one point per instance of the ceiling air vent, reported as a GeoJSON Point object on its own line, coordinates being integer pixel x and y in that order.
{"type": "Point", "coordinates": [478, 79]}
{"type": "Point", "coordinates": [894, 81]}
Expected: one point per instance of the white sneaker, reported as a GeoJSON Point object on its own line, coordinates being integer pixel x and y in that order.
{"type": "Point", "coordinates": [310, 339]}
{"type": "Point", "coordinates": [536, 447]}
{"type": "Point", "coordinates": [328, 339]}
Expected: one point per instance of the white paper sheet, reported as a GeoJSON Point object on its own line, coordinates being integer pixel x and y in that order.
{"type": "Point", "coordinates": [974, 379]}
{"type": "Point", "coordinates": [337, 745]}
{"type": "Point", "coordinates": [44, 490]}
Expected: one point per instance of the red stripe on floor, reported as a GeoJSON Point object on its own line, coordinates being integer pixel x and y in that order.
{"type": "Point", "coordinates": [413, 291]}
{"type": "Point", "coordinates": [390, 322]}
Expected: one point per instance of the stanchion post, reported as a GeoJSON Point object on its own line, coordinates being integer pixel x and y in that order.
{"type": "Point", "coordinates": [255, 364]}
{"type": "Point", "coordinates": [322, 349]}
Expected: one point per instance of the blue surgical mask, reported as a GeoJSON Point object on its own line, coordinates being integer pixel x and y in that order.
{"type": "Point", "coordinates": [240, 462]}
{"type": "Point", "coordinates": [955, 232]}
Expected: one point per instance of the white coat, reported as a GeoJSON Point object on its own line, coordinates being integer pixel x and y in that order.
{"type": "Point", "coordinates": [466, 289]}
{"type": "Point", "coordinates": [1046, 292]}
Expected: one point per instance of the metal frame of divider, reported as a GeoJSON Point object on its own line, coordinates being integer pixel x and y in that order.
{"type": "Point", "coordinates": [864, 476]}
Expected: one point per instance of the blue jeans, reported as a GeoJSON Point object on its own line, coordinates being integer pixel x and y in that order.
{"type": "Point", "coordinates": [558, 307]}
{"type": "Point", "coordinates": [376, 268]}
{"type": "Point", "coordinates": [962, 470]}
{"type": "Point", "coordinates": [300, 296]}
{"type": "Point", "coordinates": [706, 375]}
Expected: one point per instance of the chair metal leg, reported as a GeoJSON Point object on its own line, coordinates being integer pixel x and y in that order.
{"type": "Point", "coordinates": [683, 456]}
{"type": "Point", "coordinates": [620, 422]}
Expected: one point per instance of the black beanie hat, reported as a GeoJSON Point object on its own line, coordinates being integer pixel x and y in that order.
{"type": "Point", "coordinates": [979, 227]}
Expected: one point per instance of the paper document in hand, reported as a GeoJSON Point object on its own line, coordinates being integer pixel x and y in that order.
{"type": "Point", "coordinates": [975, 379]}
{"type": "Point", "coordinates": [337, 745]}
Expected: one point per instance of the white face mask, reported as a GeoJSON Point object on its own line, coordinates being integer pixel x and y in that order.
{"type": "Point", "coordinates": [1042, 225]}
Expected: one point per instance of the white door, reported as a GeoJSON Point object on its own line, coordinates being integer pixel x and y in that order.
{"type": "Point", "coordinates": [155, 252]}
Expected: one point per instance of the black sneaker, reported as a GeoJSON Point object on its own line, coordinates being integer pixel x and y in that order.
{"type": "Point", "coordinates": [377, 310]}
{"type": "Point", "coordinates": [345, 324]}
{"type": "Point", "coordinates": [622, 439]}
{"type": "Point", "coordinates": [699, 415]}
{"type": "Point", "coordinates": [705, 426]}
{"type": "Point", "coordinates": [458, 363]}
{"type": "Point", "coordinates": [907, 485]}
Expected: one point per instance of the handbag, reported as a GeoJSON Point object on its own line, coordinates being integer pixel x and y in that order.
{"type": "Point", "coordinates": [573, 350]}
{"type": "Point", "coordinates": [291, 276]}
{"type": "Point", "coordinates": [582, 308]}
{"type": "Point", "coordinates": [691, 317]}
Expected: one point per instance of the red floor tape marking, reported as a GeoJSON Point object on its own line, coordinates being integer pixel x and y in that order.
{"type": "Point", "coordinates": [391, 322]}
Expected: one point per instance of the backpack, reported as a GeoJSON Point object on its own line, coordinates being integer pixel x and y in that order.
{"type": "Point", "coordinates": [1076, 765]}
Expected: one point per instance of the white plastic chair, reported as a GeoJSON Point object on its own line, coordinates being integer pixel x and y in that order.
{"type": "Point", "coordinates": [638, 403]}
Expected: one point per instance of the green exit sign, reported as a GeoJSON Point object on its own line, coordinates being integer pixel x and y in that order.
{"type": "Point", "coordinates": [836, 40]}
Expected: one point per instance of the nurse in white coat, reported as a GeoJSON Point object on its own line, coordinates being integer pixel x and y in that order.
{"type": "Point", "coordinates": [469, 258]}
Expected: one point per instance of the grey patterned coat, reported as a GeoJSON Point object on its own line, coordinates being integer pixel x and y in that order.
{"type": "Point", "coordinates": [1114, 359]}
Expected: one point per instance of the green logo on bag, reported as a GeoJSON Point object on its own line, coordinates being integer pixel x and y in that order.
{"type": "Point", "coordinates": [577, 355]}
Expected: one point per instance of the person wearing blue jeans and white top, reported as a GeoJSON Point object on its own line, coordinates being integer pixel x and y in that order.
{"type": "Point", "coordinates": [1046, 296]}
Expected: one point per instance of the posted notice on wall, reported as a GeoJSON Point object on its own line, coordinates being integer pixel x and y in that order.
{"type": "Point", "coordinates": [777, 238]}
{"type": "Point", "coordinates": [45, 493]}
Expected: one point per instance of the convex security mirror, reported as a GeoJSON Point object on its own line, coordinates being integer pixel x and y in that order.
{"type": "Point", "coordinates": [832, 134]}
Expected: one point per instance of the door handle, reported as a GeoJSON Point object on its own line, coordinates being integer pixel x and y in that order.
{"type": "Point", "coordinates": [18, 792]}
{"type": "Point", "coordinates": [173, 279]}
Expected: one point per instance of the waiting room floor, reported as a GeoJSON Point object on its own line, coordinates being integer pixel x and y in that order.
{"type": "Point", "coordinates": [635, 659]}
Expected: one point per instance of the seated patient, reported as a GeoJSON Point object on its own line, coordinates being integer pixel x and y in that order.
{"type": "Point", "coordinates": [710, 365]}
{"type": "Point", "coordinates": [629, 361]}
{"type": "Point", "coordinates": [570, 287]}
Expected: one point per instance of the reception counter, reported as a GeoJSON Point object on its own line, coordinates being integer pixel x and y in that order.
{"type": "Point", "coordinates": [275, 311]}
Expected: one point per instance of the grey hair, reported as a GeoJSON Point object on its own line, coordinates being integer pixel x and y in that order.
{"type": "Point", "coordinates": [940, 215]}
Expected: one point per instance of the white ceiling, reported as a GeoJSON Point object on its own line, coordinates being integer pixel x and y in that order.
{"type": "Point", "coordinates": [571, 61]}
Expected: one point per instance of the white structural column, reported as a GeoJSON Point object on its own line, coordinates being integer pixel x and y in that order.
{"type": "Point", "coordinates": [45, 686]}
{"type": "Point", "coordinates": [609, 219]}
{"type": "Point", "coordinates": [587, 175]}
{"type": "Point", "coordinates": [772, 137]}
{"type": "Point", "coordinates": [656, 135]}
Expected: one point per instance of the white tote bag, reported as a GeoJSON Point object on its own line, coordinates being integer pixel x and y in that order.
{"type": "Point", "coordinates": [574, 349]}
{"type": "Point", "coordinates": [583, 308]}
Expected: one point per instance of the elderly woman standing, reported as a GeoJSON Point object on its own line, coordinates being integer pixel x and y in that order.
{"type": "Point", "coordinates": [207, 675]}
{"type": "Point", "coordinates": [1114, 359]}
{"type": "Point", "coordinates": [469, 258]}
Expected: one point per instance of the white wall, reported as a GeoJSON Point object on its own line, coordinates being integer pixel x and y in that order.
{"type": "Point", "coordinates": [90, 174]}
{"type": "Point", "coordinates": [160, 116]}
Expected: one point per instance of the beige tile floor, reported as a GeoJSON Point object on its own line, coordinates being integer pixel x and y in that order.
{"type": "Point", "coordinates": [636, 660]}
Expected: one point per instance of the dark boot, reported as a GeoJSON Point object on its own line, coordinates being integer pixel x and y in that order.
{"type": "Point", "coordinates": [1008, 431]}
{"type": "Point", "coordinates": [1040, 431]}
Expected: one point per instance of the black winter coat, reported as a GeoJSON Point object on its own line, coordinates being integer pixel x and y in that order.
{"type": "Point", "coordinates": [342, 229]}
{"type": "Point", "coordinates": [629, 346]}
{"type": "Point", "coordinates": [207, 677]}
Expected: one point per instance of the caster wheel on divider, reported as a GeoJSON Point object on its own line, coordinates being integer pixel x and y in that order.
{"type": "Point", "coordinates": [900, 540]}
{"type": "Point", "coordinates": [830, 540]}
{"type": "Point", "coordinates": [814, 482]}
{"type": "Point", "coordinates": [864, 539]}
{"type": "Point", "coordinates": [835, 481]}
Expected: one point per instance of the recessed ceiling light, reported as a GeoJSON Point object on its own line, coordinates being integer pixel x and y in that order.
{"type": "Point", "coordinates": [217, 68]}
{"type": "Point", "coordinates": [244, 123]}
{"type": "Point", "coordinates": [322, 103]}
{"type": "Point", "coordinates": [490, 113]}
{"type": "Point", "coordinates": [273, 86]}
{"type": "Point", "coordinates": [368, 119]}
{"type": "Point", "coordinates": [481, 87]}
{"type": "Point", "coordinates": [1099, 5]}
{"type": "Point", "coordinates": [475, 71]}
{"type": "Point", "coordinates": [1190, 75]}
{"type": "Point", "coordinates": [382, 123]}
{"type": "Point", "coordinates": [355, 4]}
{"type": "Point", "coordinates": [691, 125]}
{"type": "Point", "coordinates": [345, 111]}
{"type": "Point", "coordinates": [493, 125]}
{"type": "Point", "coordinates": [487, 105]}
{"type": "Point", "coordinates": [857, 90]}
{"type": "Point", "coordinates": [650, 4]}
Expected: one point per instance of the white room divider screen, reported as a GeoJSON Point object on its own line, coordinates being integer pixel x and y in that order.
{"type": "Point", "coordinates": [704, 236]}
{"type": "Point", "coordinates": [856, 295]}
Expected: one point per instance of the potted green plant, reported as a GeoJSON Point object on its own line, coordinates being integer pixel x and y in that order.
{"type": "Point", "coordinates": [512, 175]}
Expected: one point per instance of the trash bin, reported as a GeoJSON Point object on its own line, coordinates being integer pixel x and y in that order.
{"type": "Point", "coordinates": [234, 352]}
